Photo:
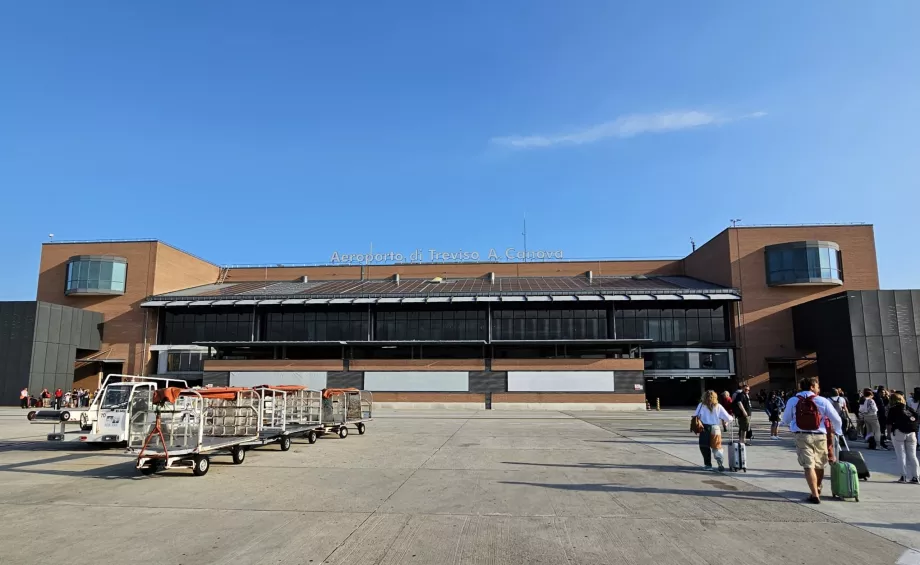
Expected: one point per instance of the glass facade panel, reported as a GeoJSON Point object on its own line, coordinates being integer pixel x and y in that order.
{"type": "Point", "coordinates": [530, 324]}
{"type": "Point", "coordinates": [673, 325]}
{"type": "Point", "coordinates": [89, 274]}
{"type": "Point", "coordinates": [184, 327]}
{"type": "Point", "coordinates": [803, 262]}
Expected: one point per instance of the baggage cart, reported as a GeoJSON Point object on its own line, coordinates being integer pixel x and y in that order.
{"type": "Point", "coordinates": [343, 407]}
{"type": "Point", "coordinates": [185, 428]}
{"type": "Point", "coordinates": [286, 412]}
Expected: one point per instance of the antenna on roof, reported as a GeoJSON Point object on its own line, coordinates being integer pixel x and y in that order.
{"type": "Point", "coordinates": [50, 237]}
{"type": "Point", "coordinates": [692, 244]}
{"type": "Point", "coordinates": [525, 237]}
{"type": "Point", "coordinates": [735, 222]}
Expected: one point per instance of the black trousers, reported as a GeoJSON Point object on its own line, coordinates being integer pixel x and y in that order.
{"type": "Point", "coordinates": [705, 449]}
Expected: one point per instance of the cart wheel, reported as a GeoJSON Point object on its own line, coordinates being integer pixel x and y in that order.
{"type": "Point", "coordinates": [311, 436]}
{"type": "Point", "coordinates": [30, 416]}
{"type": "Point", "coordinates": [285, 443]}
{"type": "Point", "coordinates": [147, 471]}
{"type": "Point", "coordinates": [65, 416]}
{"type": "Point", "coordinates": [343, 432]}
{"type": "Point", "coordinates": [361, 428]}
{"type": "Point", "coordinates": [239, 455]}
{"type": "Point", "coordinates": [201, 465]}
{"type": "Point", "coordinates": [857, 499]}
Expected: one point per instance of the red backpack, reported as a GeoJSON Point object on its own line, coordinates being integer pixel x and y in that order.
{"type": "Point", "coordinates": [807, 415]}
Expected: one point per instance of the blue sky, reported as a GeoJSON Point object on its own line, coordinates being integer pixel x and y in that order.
{"type": "Point", "coordinates": [280, 132]}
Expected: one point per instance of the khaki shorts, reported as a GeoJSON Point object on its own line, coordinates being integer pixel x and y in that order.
{"type": "Point", "coordinates": [812, 450]}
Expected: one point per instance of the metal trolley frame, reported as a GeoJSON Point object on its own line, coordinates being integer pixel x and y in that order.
{"type": "Point", "coordinates": [343, 407]}
{"type": "Point", "coordinates": [286, 412]}
{"type": "Point", "coordinates": [188, 427]}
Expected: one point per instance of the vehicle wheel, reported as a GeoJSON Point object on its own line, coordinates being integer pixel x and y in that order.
{"type": "Point", "coordinates": [239, 454]}
{"type": "Point", "coordinates": [343, 432]}
{"type": "Point", "coordinates": [201, 465]}
{"type": "Point", "coordinates": [285, 443]}
{"type": "Point", "coordinates": [361, 428]}
{"type": "Point", "coordinates": [311, 436]}
{"type": "Point", "coordinates": [147, 471]}
{"type": "Point", "coordinates": [30, 416]}
{"type": "Point", "coordinates": [65, 416]}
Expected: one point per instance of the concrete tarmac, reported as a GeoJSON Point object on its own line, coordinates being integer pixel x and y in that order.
{"type": "Point", "coordinates": [439, 487]}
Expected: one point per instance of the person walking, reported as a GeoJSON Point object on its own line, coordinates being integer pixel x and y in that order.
{"type": "Point", "coordinates": [868, 409]}
{"type": "Point", "coordinates": [805, 415]}
{"type": "Point", "coordinates": [24, 398]}
{"type": "Point", "coordinates": [711, 414]}
{"type": "Point", "coordinates": [775, 407]}
{"type": "Point", "coordinates": [58, 398]}
{"type": "Point", "coordinates": [914, 401]}
{"type": "Point", "coordinates": [741, 408]}
{"type": "Point", "coordinates": [725, 400]}
{"type": "Point", "coordinates": [902, 426]}
{"type": "Point", "coordinates": [881, 402]}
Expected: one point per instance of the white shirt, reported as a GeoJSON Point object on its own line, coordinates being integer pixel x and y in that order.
{"type": "Point", "coordinates": [841, 401]}
{"type": "Point", "coordinates": [825, 408]}
{"type": "Point", "coordinates": [712, 417]}
{"type": "Point", "coordinates": [868, 407]}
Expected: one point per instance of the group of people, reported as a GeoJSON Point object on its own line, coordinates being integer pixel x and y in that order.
{"type": "Point", "coordinates": [75, 398]}
{"type": "Point", "coordinates": [810, 417]}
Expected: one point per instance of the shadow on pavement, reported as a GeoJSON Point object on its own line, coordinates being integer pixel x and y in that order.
{"type": "Point", "coordinates": [121, 470]}
{"type": "Point", "coordinates": [726, 491]}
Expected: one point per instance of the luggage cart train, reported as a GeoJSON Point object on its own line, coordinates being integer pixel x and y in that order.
{"type": "Point", "coordinates": [186, 427]}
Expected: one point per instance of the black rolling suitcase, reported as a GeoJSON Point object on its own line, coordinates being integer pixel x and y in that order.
{"type": "Point", "coordinates": [856, 458]}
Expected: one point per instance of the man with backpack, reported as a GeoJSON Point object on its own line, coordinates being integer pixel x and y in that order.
{"type": "Point", "coordinates": [774, 408]}
{"type": "Point", "coordinates": [805, 415]}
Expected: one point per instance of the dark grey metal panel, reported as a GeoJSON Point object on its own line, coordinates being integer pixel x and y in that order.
{"type": "Point", "coordinates": [215, 378]}
{"type": "Point", "coordinates": [39, 352]}
{"type": "Point", "coordinates": [911, 381]}
{"type": "Point", "coordinates": [857, 319]}
{"type": "Point", "coordinates": [875, 348]}
{"type": "Point", "coordinates": [345, 379]}
{"type": "Point", "coordinates": [892, 354]}
{"type": "Point", "coordinates": [910, 360]}
{"type": "Point", "coordinates": [878, 379]}
{"type": "Point", "coordinates": [42, 319]}
{"type": "Point", "coordinates": [905, 312]}
{"type": "Point", "coordinates": [54, 324]}
{"type": "Point", "coordinates": [888, 311]}
{"type": "Point", "coordinates": [915, 305]}
{"type": "Point", "coordinates": [488, 381]}
{"type": "Point", "coordinates": [860, 355]}
{"type": "Point", "coordinates": [66, 321]}
{"type": "Point", "coordinates": [76, 324]}
{"type": "Point", "coordinates": [50, 361]}
{"type": "Point", "coordinates": [91, 332]}
{"type": "Point", "coordinates": [863, 380]}
{"type": "Point", "coordinates": [871, 313]}
{"type": "Point", "coordinates": [625, 382]}
{"type": "Point", "coordinates": [895, 381]}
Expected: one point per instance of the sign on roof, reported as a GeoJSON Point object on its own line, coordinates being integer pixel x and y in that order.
{"type": "Point", "coordinates": [437, 256]}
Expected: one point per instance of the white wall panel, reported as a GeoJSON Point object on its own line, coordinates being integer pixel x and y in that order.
{"type": "Point", "coordinates": [315, 380]}
{"type": "Point", "coordinates": [420, 381]}
{"type": "Point", "coordinates": [560, 381]}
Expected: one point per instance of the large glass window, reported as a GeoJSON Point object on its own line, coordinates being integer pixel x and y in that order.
{"type": "Point", "coordinates": [319, 325]}
{"type": "Point", "coordinates": [531, 324]}
{"type": "Point", "coordinates": [431, 325]}
{"type": "Point", "coordinates": [803, 262]}
{"type": "Point", "coordinates": [96, 274]}
{"type": "Point", "coordinates": [673, 325]}
{"type": "Point", "coordinates": [187, 326]}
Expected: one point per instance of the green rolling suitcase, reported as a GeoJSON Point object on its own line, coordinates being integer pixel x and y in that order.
{"type": "Point", "coordinates": [844, 480]}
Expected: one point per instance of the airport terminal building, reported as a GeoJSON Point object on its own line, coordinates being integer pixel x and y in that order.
{"type": "Point", "coordinates": [496, 329]}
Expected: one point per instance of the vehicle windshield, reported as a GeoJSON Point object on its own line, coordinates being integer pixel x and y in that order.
{"type": "Point", "coordinates": [116, 397]}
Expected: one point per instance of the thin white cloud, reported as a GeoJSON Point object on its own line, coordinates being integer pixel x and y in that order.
{"type": "Point", "coordinates": [622, 127]}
